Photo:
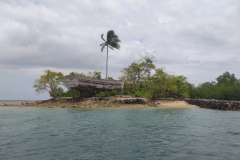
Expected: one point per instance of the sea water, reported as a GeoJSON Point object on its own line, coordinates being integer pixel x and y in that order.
{"type": "Point", "coordinates": [149, 133]}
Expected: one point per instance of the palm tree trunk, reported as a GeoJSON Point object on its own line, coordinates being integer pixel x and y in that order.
{"type": "Point", "coordinates": [107, 64]}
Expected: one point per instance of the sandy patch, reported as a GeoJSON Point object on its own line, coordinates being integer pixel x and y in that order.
{"type": "Point", "coordinates": [174, 104]}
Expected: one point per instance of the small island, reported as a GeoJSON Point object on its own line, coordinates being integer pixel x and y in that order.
{"type": "Point", "coordinates": [141, 85]}
{"type": "Point", "coordinates": [136, 88]}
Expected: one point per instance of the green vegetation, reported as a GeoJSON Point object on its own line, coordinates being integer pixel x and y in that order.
{"type": "Point", "coordinates": [50, 82]}
{"type": "Point", "coordinates": [226, 87]}
{"type": "Point", "coordinates": [164, 85]}
{"type": "Point", "coordinates": [112, 93]}
{"type": "Point", "coordinates": [139, 81]}
{"type": "Point", "coordinates": [137, 77]}
{"type": "Point", "coordinates": [134, 74]}
{"type": "Point", "coordinates": [111, 42]}
{"type": "Point", "coordinates": [142, 79]}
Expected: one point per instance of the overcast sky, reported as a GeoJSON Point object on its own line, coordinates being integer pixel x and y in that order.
{"type": "Point", "coordinates": [199, 39]}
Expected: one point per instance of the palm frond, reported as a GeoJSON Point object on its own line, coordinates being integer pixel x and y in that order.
{"type": "Point", "coordinates": [110, 34]}
{"type": "Point", "coordinates": [115, 45]}
{"type": "Point", "coordinates": [110, 47]}
{"type": "Point", "coordinates": [102, 37]}
{"type": "Point", "coordinates": [103, 47]}
{"type": "Point", "coordinates": [102, 44]}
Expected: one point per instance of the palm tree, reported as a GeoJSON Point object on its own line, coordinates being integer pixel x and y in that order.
{"type": "Point", "coordinates": [111, 42]}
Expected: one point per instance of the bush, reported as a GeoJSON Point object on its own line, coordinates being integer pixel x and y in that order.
{"type": "Point", "coordinates": [107, 93]}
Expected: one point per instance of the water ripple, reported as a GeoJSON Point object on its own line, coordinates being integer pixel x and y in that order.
{"type": "Point", "coordinates": [40, 133]}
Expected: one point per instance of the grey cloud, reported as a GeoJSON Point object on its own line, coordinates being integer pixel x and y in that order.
{"type": "Point", "coordinates": [192, 38]}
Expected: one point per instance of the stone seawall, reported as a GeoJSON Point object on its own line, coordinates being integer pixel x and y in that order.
{"type": "Point", "coordinates": [215, 104]}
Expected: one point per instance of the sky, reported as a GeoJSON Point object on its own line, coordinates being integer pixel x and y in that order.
{"type": "Point", "coordinates": [197, 39]}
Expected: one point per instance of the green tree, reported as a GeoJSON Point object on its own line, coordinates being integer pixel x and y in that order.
{"type": "Point", "coordinates": [94, 74]}
{"type": "Point", "coordinates": [110, 78]}
{"type": "Point", "coordinates": [111, 42]}
{"type": "Point", "coordinates": [159, 84]}
{"type": "Point", "coordinates": [77, 74]}
{"type": "Point", "coordinates": [49, 82]}
{"type": "Point", "coordinates": [227, 87]}
{"type": "Point", "coordinates": [134, 74]}
{"type": "Point", "coordinates": [182, 86]}
{"type": "Point", "coordinates": [227, 79]}
{"type": "Point", "coordinates": [192, 89]}
{"type": "Point", "coordinates": [164, 85]}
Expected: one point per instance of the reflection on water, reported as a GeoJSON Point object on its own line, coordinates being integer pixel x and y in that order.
{"type": "Point", "coordinates": [42, 133]}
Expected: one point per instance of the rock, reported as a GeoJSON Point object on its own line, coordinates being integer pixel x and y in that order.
{"type": "Point", "coordinates": [215, 104]}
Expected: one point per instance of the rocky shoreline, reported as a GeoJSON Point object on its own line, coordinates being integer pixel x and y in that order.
{"type": "Point", "coordinates": [105, 102]}
{"type": "Point", "coordinates": [93, 102]}
{"type": "Point", "coordinates": [130, 102]}
{"type": "Point", "coordinates": [215, 104]}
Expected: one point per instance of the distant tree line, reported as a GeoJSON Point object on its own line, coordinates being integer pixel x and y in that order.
{"type": "Point", "coordinates": [226, 87]}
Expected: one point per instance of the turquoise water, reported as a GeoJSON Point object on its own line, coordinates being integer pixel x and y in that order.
{"type": "Point", "coordinates": [52, 134]}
